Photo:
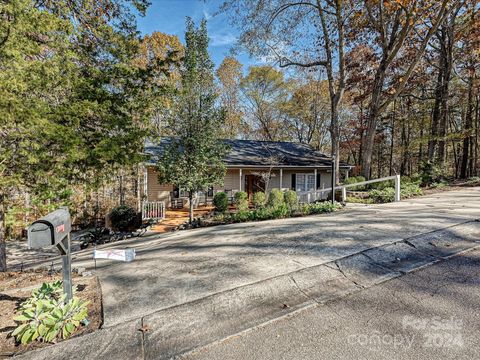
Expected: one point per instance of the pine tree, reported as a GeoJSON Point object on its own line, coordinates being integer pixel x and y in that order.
{"type": "Point", "coordinates": [193, 158]}
{"type": "Point", "coordinates": [73, 104]}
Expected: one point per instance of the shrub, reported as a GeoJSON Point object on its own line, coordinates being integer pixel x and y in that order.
{"type": "Point", "coordinates": [383, 195]}
{"type": "Point", "coordinates": [275, 198]}
{"type": "Point", "coordinates": [388, 194]}
{"type": "Point", "coordinates": [430, 173]}
{"type": "Point", "coordinates": [280, 211]}
{"type": "Point", "coordinates": [382, 185]}
{"type": "Point", "coordinates": [321, 207]}
{"type": "Point", "coordinates": [473, 181]}
{"type": "Point", "coordinates": [353, 180]}
{"type": "Point", "coordinates": [262, 214]}
{"type": "Point", "coordinates": [241, 200]}
{"type": "Point", "coordinates": [291, 199]}
{"type": "Point", "coordinates": [242, 216]}
{"type": "Point", "coordinates": [220, 201]}
{"type": "Point", "coordinates": [123, 217]}
{"type": "Point", "coordinates": [410, 189]}
{"type": "Point", "coordinates": [45, 316]}
{"type": "Point", "coordinates": [259, 199]}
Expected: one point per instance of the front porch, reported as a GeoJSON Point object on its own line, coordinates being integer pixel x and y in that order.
{"type": "Point", "coordinates": [308, 182]}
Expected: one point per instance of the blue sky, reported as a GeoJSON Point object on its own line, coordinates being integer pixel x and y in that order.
{"type": "Point", "coordinates": [168, 16]}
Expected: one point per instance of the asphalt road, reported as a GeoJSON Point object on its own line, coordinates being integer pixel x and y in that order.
{"type": "Point", "coordinates": [433, 313]}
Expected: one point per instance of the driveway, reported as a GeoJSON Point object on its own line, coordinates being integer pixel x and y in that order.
{"type": "Point", "coordinates": [178, 268]}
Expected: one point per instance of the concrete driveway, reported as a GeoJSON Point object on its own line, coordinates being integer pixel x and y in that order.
{"type": "Point", "coordinates": [177, 268]}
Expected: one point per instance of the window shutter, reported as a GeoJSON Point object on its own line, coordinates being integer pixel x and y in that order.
{"type": "Point", "coordinates": [318, 181]}
{"type": "Point", "coordinates": [294, 181]}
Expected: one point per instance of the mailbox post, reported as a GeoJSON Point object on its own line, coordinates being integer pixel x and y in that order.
{"type": "Point", "coordinates": [54, 229]}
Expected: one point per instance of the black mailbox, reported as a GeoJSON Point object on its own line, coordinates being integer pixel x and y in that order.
{"type": "Point", "coordinates": [50, 229]}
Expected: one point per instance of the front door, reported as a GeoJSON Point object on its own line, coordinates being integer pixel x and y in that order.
{"type": "Point", "coordinates": [253, 184]}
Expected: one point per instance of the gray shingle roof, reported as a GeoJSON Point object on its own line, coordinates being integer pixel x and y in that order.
{"type": "Point", "coordinates": [262, 153]}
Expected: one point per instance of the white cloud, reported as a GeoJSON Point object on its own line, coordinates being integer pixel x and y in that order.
{"type": "Point", "coordinates": [206, 15]}
{"type": "Point", "coordinates": [222, 39]}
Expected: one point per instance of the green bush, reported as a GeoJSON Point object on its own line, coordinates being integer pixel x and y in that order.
{"type": "Point", "coordinates": [262, 214]}
{"type": "Point", "coordinates": [220, 201]}
{"type": "Point", "coordinates": [382, 185]}
{"type": "Point", "coordinates": [242, 216]}
{"type": "Point", "coordinates": [383, 195]}
{"type": "Point", "coordinates": [275, 198]}
{"type": "Point", "coordinates": [354, 180]}
{"type": "Point", "coordinates": [280, 211]}
{"type": "Point", "coordinates": [321, 207]}
{"type": "Point", "coordinates": [291, 199]}
{"type": "Point", "coordinates": [473, 181]}
{"type": "Point", "coordinates": [241, 200]}
{"type": "Point", "coordinates": [410, 189]}
{"type": "Point", "coordinates": [123, 217]}
{"type": "Point", "coordinates": [45, 316]}
{"type": "Point", "coordinates": [431, 173]}
{"type": "Point", "coordinates": [259, 200]}
{"type": "Point", "coordinates": [388, 194]}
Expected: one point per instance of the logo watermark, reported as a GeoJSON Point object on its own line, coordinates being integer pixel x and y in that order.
{"type": "Point", "coordinates": [436, 331]}
{"type": "Point", "coordinates": [427, 332]}
{"type": "Point", "coordinates": [377, 339]}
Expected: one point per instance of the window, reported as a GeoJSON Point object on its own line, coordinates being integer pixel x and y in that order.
{"type": "Point", "coordinates": [305, 182]}
{"type": "Point", "coordinates": [300, 182]}
{"type": "Point", "coordinates": [310, 182]}
{"type": "Point", "coordinates": [210, 191]}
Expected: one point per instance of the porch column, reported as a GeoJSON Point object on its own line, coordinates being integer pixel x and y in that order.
{"type": "Point", "coordinates": [281, 179]}
{"type": "Point", "coordinates": [240, 179]}
{"type": "Point", "coordinates": [145, 183]}
{"type": "Point", "coordinates": [315, 183]}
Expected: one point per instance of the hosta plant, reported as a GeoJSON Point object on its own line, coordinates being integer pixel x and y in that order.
{"type": "Point", "coordinates": [48, 318]}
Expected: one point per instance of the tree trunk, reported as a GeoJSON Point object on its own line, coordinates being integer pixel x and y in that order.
{"type": "Point", "coordinates": [433, 142]}
{"type": "Point", "coordinates": [3, 245]}
{"type": "Point", "coordinates": [477, 133]}
{"type": "Point", "coordinates": [392, 142]}
{"type": "Point", "coordinates": [335, 135]}
{"type": "Point", "coordinates": [190, 207]}
{"type": "Point", "coordinates": [372, 118]}
{"type": "Point", "coordinates": [446, 46]}
{"type": "Point", "coordinates": [467, 139]}
{"type": "Point", "coordinates": [368, 142]}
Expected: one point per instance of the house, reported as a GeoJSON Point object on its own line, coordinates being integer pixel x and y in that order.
{"type": "Point", "coordinates": [252, 166]}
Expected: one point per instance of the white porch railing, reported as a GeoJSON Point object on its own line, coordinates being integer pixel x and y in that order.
{"type": "Point", "coordinates": [312, 196]}
{"type": "Point", "coordinates": [307, 197]}
{"type": "Point", "coordinates": [153, 210]}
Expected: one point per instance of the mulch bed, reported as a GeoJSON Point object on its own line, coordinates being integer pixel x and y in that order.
{"type": "Point", "coordinates": [16, 287]}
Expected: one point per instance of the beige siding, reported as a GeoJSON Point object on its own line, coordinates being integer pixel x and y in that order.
{"type": "Point", "coordinates": [161, 192]}
{"type": "Point", "coordinates": [155, 190]}
{"type": "Point", "coordinates": [232, 180]}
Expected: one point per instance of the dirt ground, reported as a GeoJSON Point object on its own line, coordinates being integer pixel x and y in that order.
{"type": "Point", "coordinates": [17, 287]}
{"type": "Point", "coordinates": [175, 218]}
